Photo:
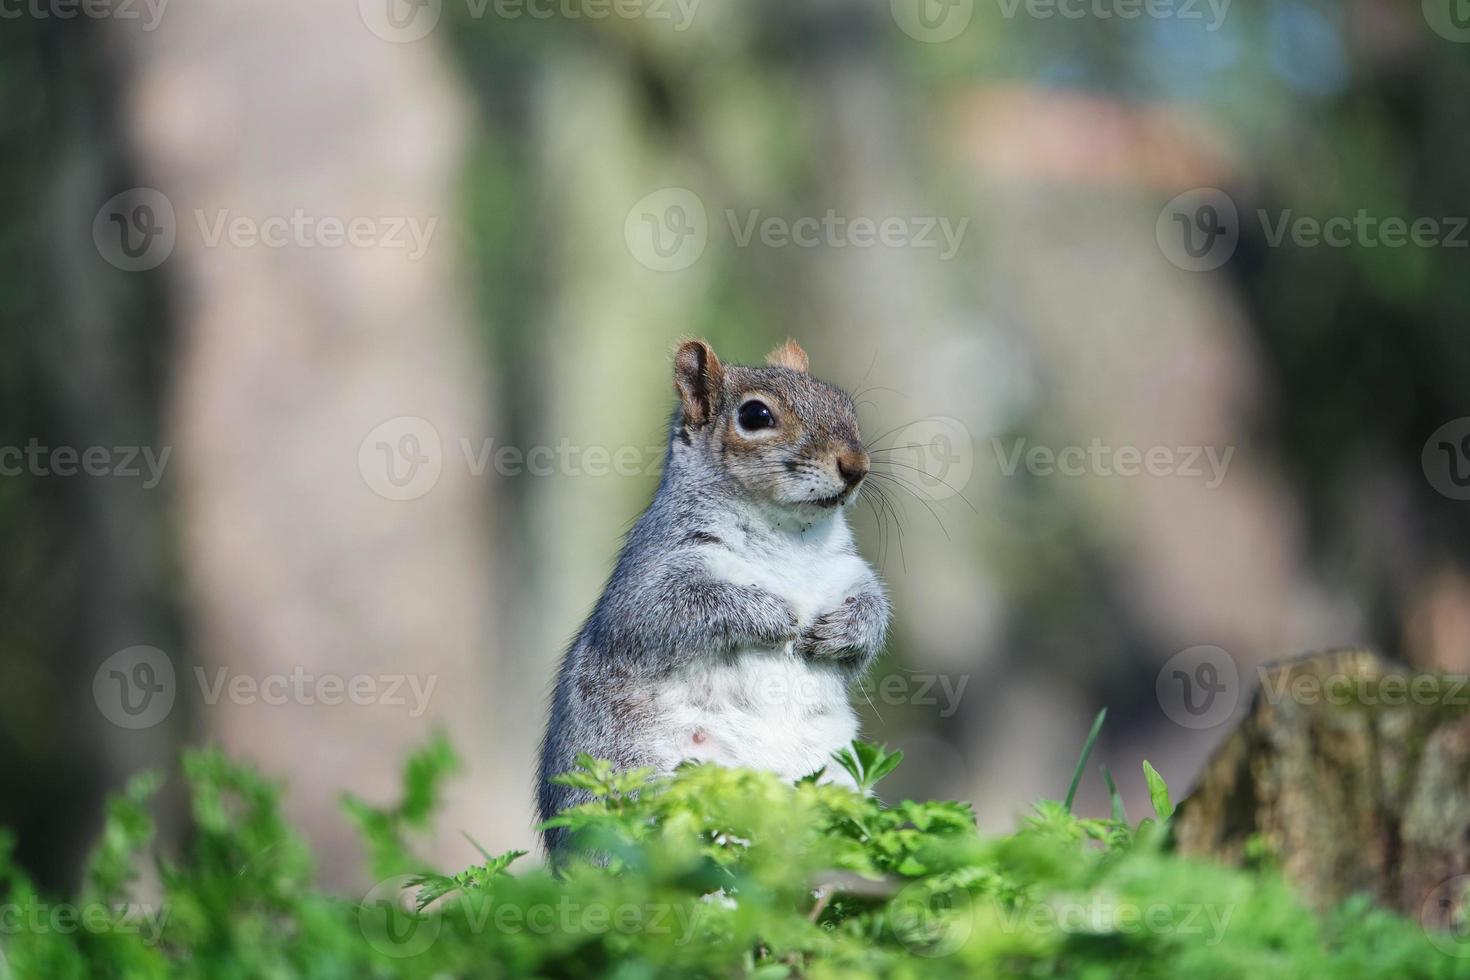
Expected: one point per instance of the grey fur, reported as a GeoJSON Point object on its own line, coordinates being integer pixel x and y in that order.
{"type": "Point", "coordinates": [661, 607]}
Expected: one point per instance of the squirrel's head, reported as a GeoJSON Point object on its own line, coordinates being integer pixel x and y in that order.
{"type": "Point", "coordinates": [780, 434]}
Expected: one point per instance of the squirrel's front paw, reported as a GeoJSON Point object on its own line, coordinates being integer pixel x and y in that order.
{"type": "Point", "coordinates": [853, 629]}
{"type": "Point", "coordinates": [774, 620]}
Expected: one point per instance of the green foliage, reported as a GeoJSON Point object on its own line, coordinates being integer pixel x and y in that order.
{"type": "Point", "coordinates": [1097, 724]}
{"type": "Point", "coordinates": [708, 872]}
{"type": "Point", "coordinates": [1158, 791]}
{"type": "Point", "coordinates": [867, 763]}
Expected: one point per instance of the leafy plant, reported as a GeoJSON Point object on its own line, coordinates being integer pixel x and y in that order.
{"type": "Point", "coordinates": [1158, 792]}
{"type": "Point", "coordinates": [867, 763]}
{"type": "Point", "coordinates": [707, 872]}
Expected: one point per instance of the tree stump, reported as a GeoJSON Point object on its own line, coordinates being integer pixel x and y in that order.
{"type": "Point", "coordinates": [1353, 774]}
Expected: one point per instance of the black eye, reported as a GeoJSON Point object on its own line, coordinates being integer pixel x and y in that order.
{"type": "Point", "coordinates": [755, 415]}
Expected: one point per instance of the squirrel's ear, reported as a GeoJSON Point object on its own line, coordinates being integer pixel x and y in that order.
{"type": "Point", "coordinates": [697, 378]}
{"type": "Point", "coordinates": [788, 355]}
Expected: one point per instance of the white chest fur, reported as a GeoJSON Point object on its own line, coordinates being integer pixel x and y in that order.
{"type": "Point", "coordinates": [770, 709]}
{"type": "Point", "coordinates": [813, 570]}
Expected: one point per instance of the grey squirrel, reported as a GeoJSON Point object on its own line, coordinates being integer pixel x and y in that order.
{"type": "Point", "coordinates": [739, 611]}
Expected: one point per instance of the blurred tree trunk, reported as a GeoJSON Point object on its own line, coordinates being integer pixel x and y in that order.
{"type": "Point", "coordinates": [1353, 774]}
{"type": "Point", "coordinates": [288, 359]}
{"type": "Point", "coordinates": [90, 568]}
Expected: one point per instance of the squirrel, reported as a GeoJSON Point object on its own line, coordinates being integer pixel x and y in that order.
{"type": "Point", "coordinates": [739, 611]}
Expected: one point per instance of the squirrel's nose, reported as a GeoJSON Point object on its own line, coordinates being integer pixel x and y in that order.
{"type": "Point", "coordinates": [852, 466]}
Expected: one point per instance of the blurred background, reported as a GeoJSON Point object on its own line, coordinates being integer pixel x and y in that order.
{"type": "Point", "coordinates": [336, 361]}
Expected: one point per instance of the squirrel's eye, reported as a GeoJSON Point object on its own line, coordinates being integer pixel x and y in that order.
{"type": "Point", "coordinates": [755, 415]}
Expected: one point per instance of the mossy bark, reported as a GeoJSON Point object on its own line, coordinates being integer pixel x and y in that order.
{"type": "Point", "coordinates": [1350, 772]}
